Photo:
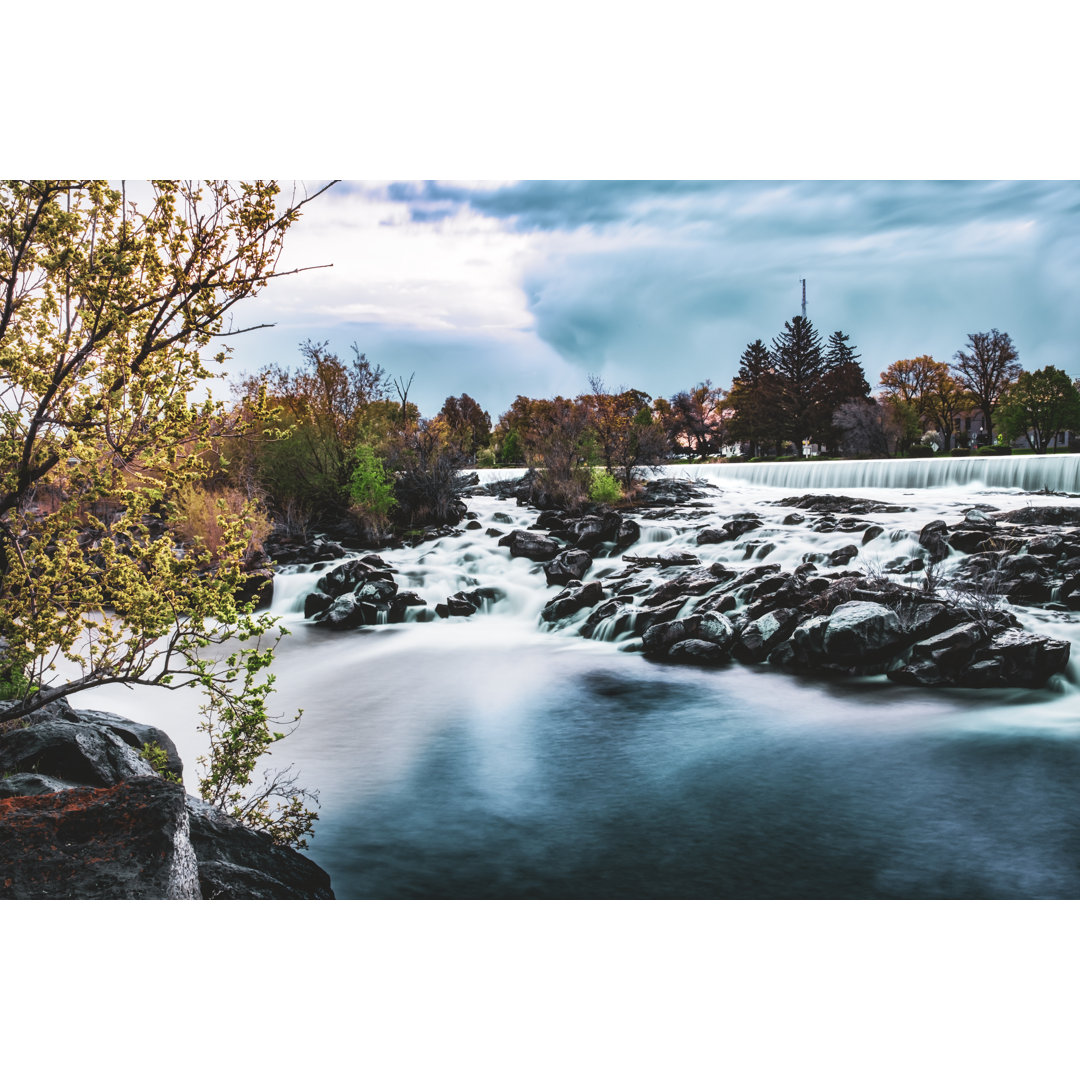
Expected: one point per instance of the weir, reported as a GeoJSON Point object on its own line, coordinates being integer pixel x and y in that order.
{"type": "Point", "coordinates": [1025, 472]}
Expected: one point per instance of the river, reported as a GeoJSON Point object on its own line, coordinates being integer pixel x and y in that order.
{"type": "Point", "coordinates": [490, 757]}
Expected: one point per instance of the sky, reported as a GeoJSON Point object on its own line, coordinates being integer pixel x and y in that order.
{"type": "Point", "coordinates": [529, 287]}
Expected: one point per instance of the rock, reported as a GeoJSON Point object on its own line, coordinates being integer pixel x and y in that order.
{"type": "Point", "coordinates": [856, 635]}
{"type": "Point", "coordinates": [628, 533]}
{"type": "Point", "coordinates": [345, 613]}
{"type": "Point", "coordinates": [376, 592]}
{"type": "Point", "coordinates": [572, 599]}
{"type": "Point", "coordinates": [129, 841]}
{"type": "Point", "coordinates": [794, 519]}
{"type": "Point", "coordinates": [570, 564]}
{"type": "Point", "coordinates": [842, 556]}
{"type": "Point", "coordinates": [402, 601]}
{"type": "Point", "coordinates": [871, 533]}
{"type": "Point", "coordinates": [502, 518]}
{"type": "Point", "coordinates": [618, 615]}
{"type": "Point", "coordinates": [27, 783]}
{"type": "Point", "coordinates": [235, 863]}
{"type": "Point", "coordinates": [315, 603]}
{"type": "Point", "coordinates": [730, 530]}
{"type": "Point", "coordinates": [969, 656]}
{"type": "Point", "coordinates": [933, 537]}
{"type": "Point", "coordinates": [75, 751]}
{"type": "Point", "coordinates": [135, 735]}
{"type": "Point", "coordinates": [658, 638]}
{"type": "Point", "coordinates": [1041, 515]}
{"type": "Point", "coordinates": [697, 651]}
{"type": "Point", "coordinates": [458, 604]}
{"type": "Point", "coordinates": [529, 545]}
{"type": "Point", "coordinates": [348, 576]}
{"type": "Point", "coordinates": [474, 525]}
{"type": "Point", "coordinates": [760, 636]}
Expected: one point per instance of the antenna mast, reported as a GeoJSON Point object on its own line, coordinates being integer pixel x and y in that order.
{"type": "Point", "coordinates": [803, 297]}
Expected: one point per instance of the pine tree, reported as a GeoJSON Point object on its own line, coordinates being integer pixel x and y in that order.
{"type": "Point", "coordinates": [799, 364]}
{"type": "Point", "coordinates": [755, 398]}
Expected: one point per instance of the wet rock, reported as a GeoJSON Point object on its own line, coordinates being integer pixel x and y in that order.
{"type": "Point", "coordinates": [474, 525]}
{"type": "Point", "coordinates": [127, 841]}
{"type": "Point", "coordinates": [235, 863]}
{"type": "Point", "coordinates": [376, 592]}
{"type": "Point", "coordinates": [760, 636]}
{"type": "Point", "coordinates": [730, 530]}
{"type": "Point", "coordinates": [970, 657]}
{"type": "Point", "coordinates": [572, 599]}
{"type": "Point", "coordinates": [696, 651]}
{"type": "Point", "coordinates": [345, 613]}
{"type": "Point", "coordinates": [315, 603]}
{"type": "Point", "coordinates": [502, 518]}
{"type": "Point", "coordinates": [934, 537]}
{"type": "Point", "coordinates": [1041, 515]}
{"type": "Point", "coordinates": [20, 784]}
{"type": "Point", "coordinates": [347, 577]}
{"type": "Point", "coordinates": [568, 565]}
{"type": "Point", "coordinates": [458, 604]}
{"type": "Point", "coordinates": [627, 534]}
{"type": "Point", "coordinates": [620, 615]}
{"type": "Point", "coordinates": [530, 545]}
{"type": "Point", "coordinates": [840, 504]}
{"type": "Point", "coordinates": [712, 627]}
{"type": "Point", "coordinates": [871, 533]}
{"type": "Point", "coordinates": [856, 635]}
{"type": "Point", "coordinates": [134, 734]}
{"type": "Point", "coordinates": [842, 556]}
{"type": "Point", "coordinates": [794, 519]}
{"type": "Point", "coordinates": [79, 752]}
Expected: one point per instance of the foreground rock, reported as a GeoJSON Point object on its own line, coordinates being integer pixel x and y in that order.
{"type": "Point", "coordinates": [84, 816]}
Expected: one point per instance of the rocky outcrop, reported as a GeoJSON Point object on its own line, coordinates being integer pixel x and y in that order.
{"type": "Point", "coordinates": [571, 564]}
{"type": "Point", "coordinates": [84, 816]}
{"type": "Point", "coordinates": [128, 841]}
{"type": "Point", "coordinates": [530, 545]}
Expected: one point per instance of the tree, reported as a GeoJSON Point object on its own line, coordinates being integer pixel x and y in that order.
{"type": "Point", "coordinates": [1040, 406]}
{"type": "Point", "coordinates": [468, 426]}
{"type": "Point", "coordinates": [843, 380]}
{"type": "Point", "coordinates": [622, 424]}
{"type": "Point", "coordinates": [105, 309]}
{"type": "Point", "coordinates": [798, 362]}
{"type": "Point", "coordinates": [305, 467]}
{"type": "Point", "coordinates": [920, 389]}
{"type": "Point", "coordinates": [987, 371]}
{"type": "Point", "coordinates": [755, 399]}
{"type": "Point", "coordinates": [695, 419]}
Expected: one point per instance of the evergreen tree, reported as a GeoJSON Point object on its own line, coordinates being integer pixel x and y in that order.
{"type": "Point", "coordinates": [799, 364]}
{"type": "Point", "coordinates": [844, 380]}
{"type": "Point", "coordinates": [755, 399]}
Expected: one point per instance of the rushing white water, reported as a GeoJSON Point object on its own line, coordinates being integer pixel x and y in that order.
{"type": "Point", "coordinates": [491, 756]}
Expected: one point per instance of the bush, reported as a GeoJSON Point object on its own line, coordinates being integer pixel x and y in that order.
{"type": "Point", "coordinates": [920, 451]}
{"type": "Point", "coordinates": [202, 516]}
{"type": "Point", "coordinates": [605, 488]}
{"type": "Point", "coordinates": [993, 451]}
{"type": "Point", "coordinates": [370, 490]}
{"type": "Point", "coordinates": [485, 459]}
{"type": "Point", "coordinates": [960, 451]}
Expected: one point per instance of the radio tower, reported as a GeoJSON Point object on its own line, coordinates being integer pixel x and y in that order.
{"type": "Point", "coordinates": [803, 297]}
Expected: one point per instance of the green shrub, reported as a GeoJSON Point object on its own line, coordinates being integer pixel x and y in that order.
{"type": "Point", "coordinates": [920, 451]}
{"type": "Point", "coordinates": [960, 451]}
{"type": "Point", "coordinates": [485, 459]}
{"type": "Point", "coordinates": [370, 489]}
{"type": "Point", "coordinates": [605, 488]}
{"type": "Point", "coordinates": [155, 754]}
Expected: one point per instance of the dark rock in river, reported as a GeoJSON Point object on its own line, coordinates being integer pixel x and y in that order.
{"type": "Point", "coordinates": [568, 565]}
{"type": "Point", "coordinates": [697, 651]}
{"type": "Point", "coordinates": [530, 545]}
{"type": "Point", "coordinates": [934, 538]}
{"type": "Point", "coordinates": [572, 599]}
{"type": "Point", "coordinates": [760, 636]}
{"type": "Point", "coordinates": [856, 636]}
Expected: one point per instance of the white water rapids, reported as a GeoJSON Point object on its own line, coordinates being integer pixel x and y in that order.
{"type": "Point", "coordinates": [490, 756]}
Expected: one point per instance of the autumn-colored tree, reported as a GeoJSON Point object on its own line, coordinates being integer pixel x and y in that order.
{"type": "Point", "coordinates": [989, 367]}
{"type": "Point", "coordinates": [622, 425]}
{"type": "Point", "coordinates": [105, 311]}
{"type": "Point", "coordinates": [468, 425]}
{"type": "Point", "coordinates": [696, 419]}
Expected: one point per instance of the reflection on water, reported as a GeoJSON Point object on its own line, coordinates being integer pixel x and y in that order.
{"type": "Point", "coordinates": [486, 758]}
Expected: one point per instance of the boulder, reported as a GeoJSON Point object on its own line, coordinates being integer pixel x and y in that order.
{"type": "Point", "coordinates": [569, 565]}
{"type": "Point", "coordinates": [760, 636]}
{"type": "Point", "coordinates": [530, 545]}
{"type": "Point", "coordinates": [235, 863]}
{"type": "Point", "coordinates": [135, 735]}
{"type": "Point", "coordinates": [79, 752]}
{"type": "Point", "coordinates": [697, 651]}
{"type": "Point", "coordinates": [856, 635]}
{"type": "Point", "coordinates": [934, 537]}
{"type": "Point", "coordinates": [129, 841]}
{"type": "Point", "coordinates": [572, 599]}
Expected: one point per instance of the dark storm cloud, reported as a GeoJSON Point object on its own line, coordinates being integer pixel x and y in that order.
{"type": "Point", "coordinates": [662, 284]}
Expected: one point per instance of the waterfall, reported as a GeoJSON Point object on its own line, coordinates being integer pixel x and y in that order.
{"type": "Point", "coordinates": [1028, 472]}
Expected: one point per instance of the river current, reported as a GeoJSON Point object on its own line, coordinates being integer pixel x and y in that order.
{"type": "Point", "coordinates": [491, 757]}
